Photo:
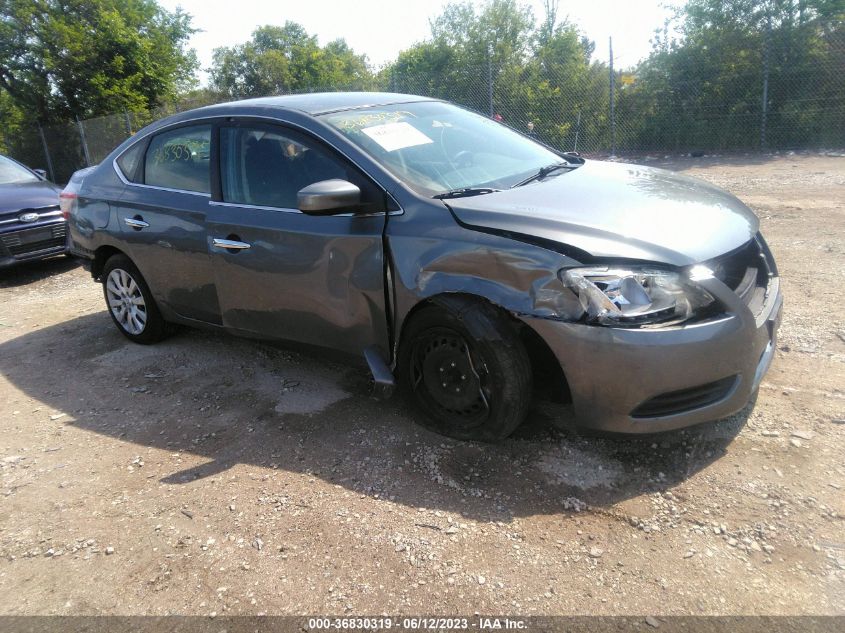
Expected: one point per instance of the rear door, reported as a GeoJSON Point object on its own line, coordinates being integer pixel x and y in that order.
{"type": "Point", "coordinates": [162, 217]}
{"type": "Point", "coordinates": [282, 273]}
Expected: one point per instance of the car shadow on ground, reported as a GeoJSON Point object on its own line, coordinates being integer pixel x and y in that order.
{"type": "Point", "coordinates": [232, 401]}
{"type": "Point", "coordinates": [27, 273]}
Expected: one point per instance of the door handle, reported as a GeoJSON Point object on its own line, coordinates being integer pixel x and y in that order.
{"type": "Point", "coordinates": [229, 244]}
{"type": "Point", "coordinates": [136, 222]}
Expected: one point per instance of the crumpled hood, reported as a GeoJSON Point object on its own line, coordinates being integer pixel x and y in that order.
{"type": "Point", "coordinates": [27, 195]}
{"type": "Point", "coordinates": [617, 210]}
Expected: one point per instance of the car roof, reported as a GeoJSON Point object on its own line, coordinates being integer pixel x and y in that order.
{"type": "Point", "coordinates": [317, 103]}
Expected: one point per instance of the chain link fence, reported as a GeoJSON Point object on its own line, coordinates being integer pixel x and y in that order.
{"type": "Point", "coordinates": [751, 108]}
{"type": "Point", "coordinates": [570, 113]}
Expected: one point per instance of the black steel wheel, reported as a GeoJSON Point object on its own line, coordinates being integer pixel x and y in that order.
{"type": "Point", "coordinates": [464, 365]}
{"type": "Point", "coordinates": [443, 372]}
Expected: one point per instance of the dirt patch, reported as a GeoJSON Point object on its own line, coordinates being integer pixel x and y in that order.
{"type": "Point", "coordinates": [215, 475]}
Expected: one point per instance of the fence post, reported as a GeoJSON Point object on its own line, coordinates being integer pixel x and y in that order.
{"type": "Point", "coordinates": [577, 131]}
{"type": "Point", "coordinates": [84, 142]}
{"type": "Point", "coordinates": [47, 154]}
{"type": "Point", "coordinates": [612, 103]}
{"type": "Point", "coordinates": [128, 124]}
{"type": "Point", "coordinates": [765, 105]}
{"type": "Point", "coordinates": [490, 79]}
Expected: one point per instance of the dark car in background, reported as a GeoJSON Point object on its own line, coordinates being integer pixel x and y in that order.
{"type": "Point", "coordinates": [443, 248]}
{"type": "Point", "coordinates": [32, 225]}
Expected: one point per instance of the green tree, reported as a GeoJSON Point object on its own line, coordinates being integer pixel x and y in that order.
{"type": "Point", "coordinates": [280, 59]}
{"type": "Point", "coordinates": [703, 88]}
{"type": "Point", "coordinates": [65, 58]}
{"type": "Point", "coordinates": [501, 29]}
{"type": "Point", "coordinates": [560, 88]}
{"type": "Point", "coordinates": [467, 43]}
{"type": "Point", "coordinates": [12, 119]}
{"type": "Point", "coordinates": [542, 74]}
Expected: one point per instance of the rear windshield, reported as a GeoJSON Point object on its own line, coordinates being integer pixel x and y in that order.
{"type": "Point", "coordinates": [11, 172]}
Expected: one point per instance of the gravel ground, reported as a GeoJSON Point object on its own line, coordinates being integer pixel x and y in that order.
{"type": "Point", "coordinates": [211, 475]}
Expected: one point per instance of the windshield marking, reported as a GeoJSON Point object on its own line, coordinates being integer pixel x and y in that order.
{"type": "Point", "coordinates": [393, 136]}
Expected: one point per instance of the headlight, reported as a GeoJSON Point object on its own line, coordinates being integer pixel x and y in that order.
{"type": "Point", "coordinates": [628, 297]}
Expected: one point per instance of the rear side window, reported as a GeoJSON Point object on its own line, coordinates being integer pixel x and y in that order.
{"type": "Point", "coordinates": [129, 162]}
{"type": "Point", "coordinates": [180, 159]}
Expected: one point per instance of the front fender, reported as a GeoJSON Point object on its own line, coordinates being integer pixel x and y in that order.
{"type": "Point", "coordinates": [517, 277]}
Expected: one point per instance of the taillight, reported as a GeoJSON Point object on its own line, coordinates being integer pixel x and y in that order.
{"type": "Point", "coordinates": [67, 201]}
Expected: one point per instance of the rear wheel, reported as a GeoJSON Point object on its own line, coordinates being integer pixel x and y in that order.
{"type": "Point", "coordinates": [463, 363]}
{"type": "Point", "coordinates": [130, 302]}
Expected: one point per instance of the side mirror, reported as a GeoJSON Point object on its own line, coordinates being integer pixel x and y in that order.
{"type": "Point", "coordinates": [328, 197]}
{"type": "Point", "coordinates": [41, 173]}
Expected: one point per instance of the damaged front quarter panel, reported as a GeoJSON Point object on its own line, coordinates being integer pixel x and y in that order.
{"type": "Point", "coordinates": [517, 276]}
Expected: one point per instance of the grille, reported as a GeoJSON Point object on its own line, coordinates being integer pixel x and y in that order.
{"type": "Point", "coordinates": [22, 244]}
{"type": "Point", "coordinates": [44, 213]}
{"type": "Point", "coordinates": [747, 271]}
{"type": "Point", "coordinates": [684, 400]}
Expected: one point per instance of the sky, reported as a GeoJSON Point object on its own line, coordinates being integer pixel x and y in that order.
{"type": "Point", "coordinates": [382, 28]}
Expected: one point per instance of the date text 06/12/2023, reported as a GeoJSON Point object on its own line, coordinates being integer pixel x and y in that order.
{"type": "Point", "coordinates": [411, 623]}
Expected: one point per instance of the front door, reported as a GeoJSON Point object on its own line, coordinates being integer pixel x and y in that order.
{"type": "Point", "coordinates": [281, 273]}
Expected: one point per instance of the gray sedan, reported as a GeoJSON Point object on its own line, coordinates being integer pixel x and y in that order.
{"type": "Point", "coordinates": [454, 256]}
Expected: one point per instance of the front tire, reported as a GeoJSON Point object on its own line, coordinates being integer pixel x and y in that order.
{"type": "Point", "coordinates": [463, 364]}
{"type": "Point", "coordinates": [130, 302]}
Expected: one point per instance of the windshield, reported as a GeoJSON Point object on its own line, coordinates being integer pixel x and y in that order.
{"type": "Point", "coordinates": [11, 172]}
{"type": "Point", "coordinates": [436, 147]}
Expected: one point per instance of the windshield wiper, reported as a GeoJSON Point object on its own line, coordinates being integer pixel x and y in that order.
{"type": "Point", "coordinates": [465, 192]}
{"type": "Point", "coordinates": [545, 171]}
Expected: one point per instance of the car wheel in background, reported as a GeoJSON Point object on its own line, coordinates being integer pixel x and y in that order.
{"type": "Point", "coordinates": [463, 363]}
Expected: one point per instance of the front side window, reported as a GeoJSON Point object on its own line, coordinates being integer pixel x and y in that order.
{"type": "Point", "coordinates": [265, 166]}
{"type": "Point", "coordinates": [180, 159]}
{"type": "Point", "coordinates": [436, 147]}
{"type": "Point", "coordinates": [12, 173]}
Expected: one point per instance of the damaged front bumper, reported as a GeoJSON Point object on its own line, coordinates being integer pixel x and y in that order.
{"type": "Point", "coordinates": [649, 380]}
